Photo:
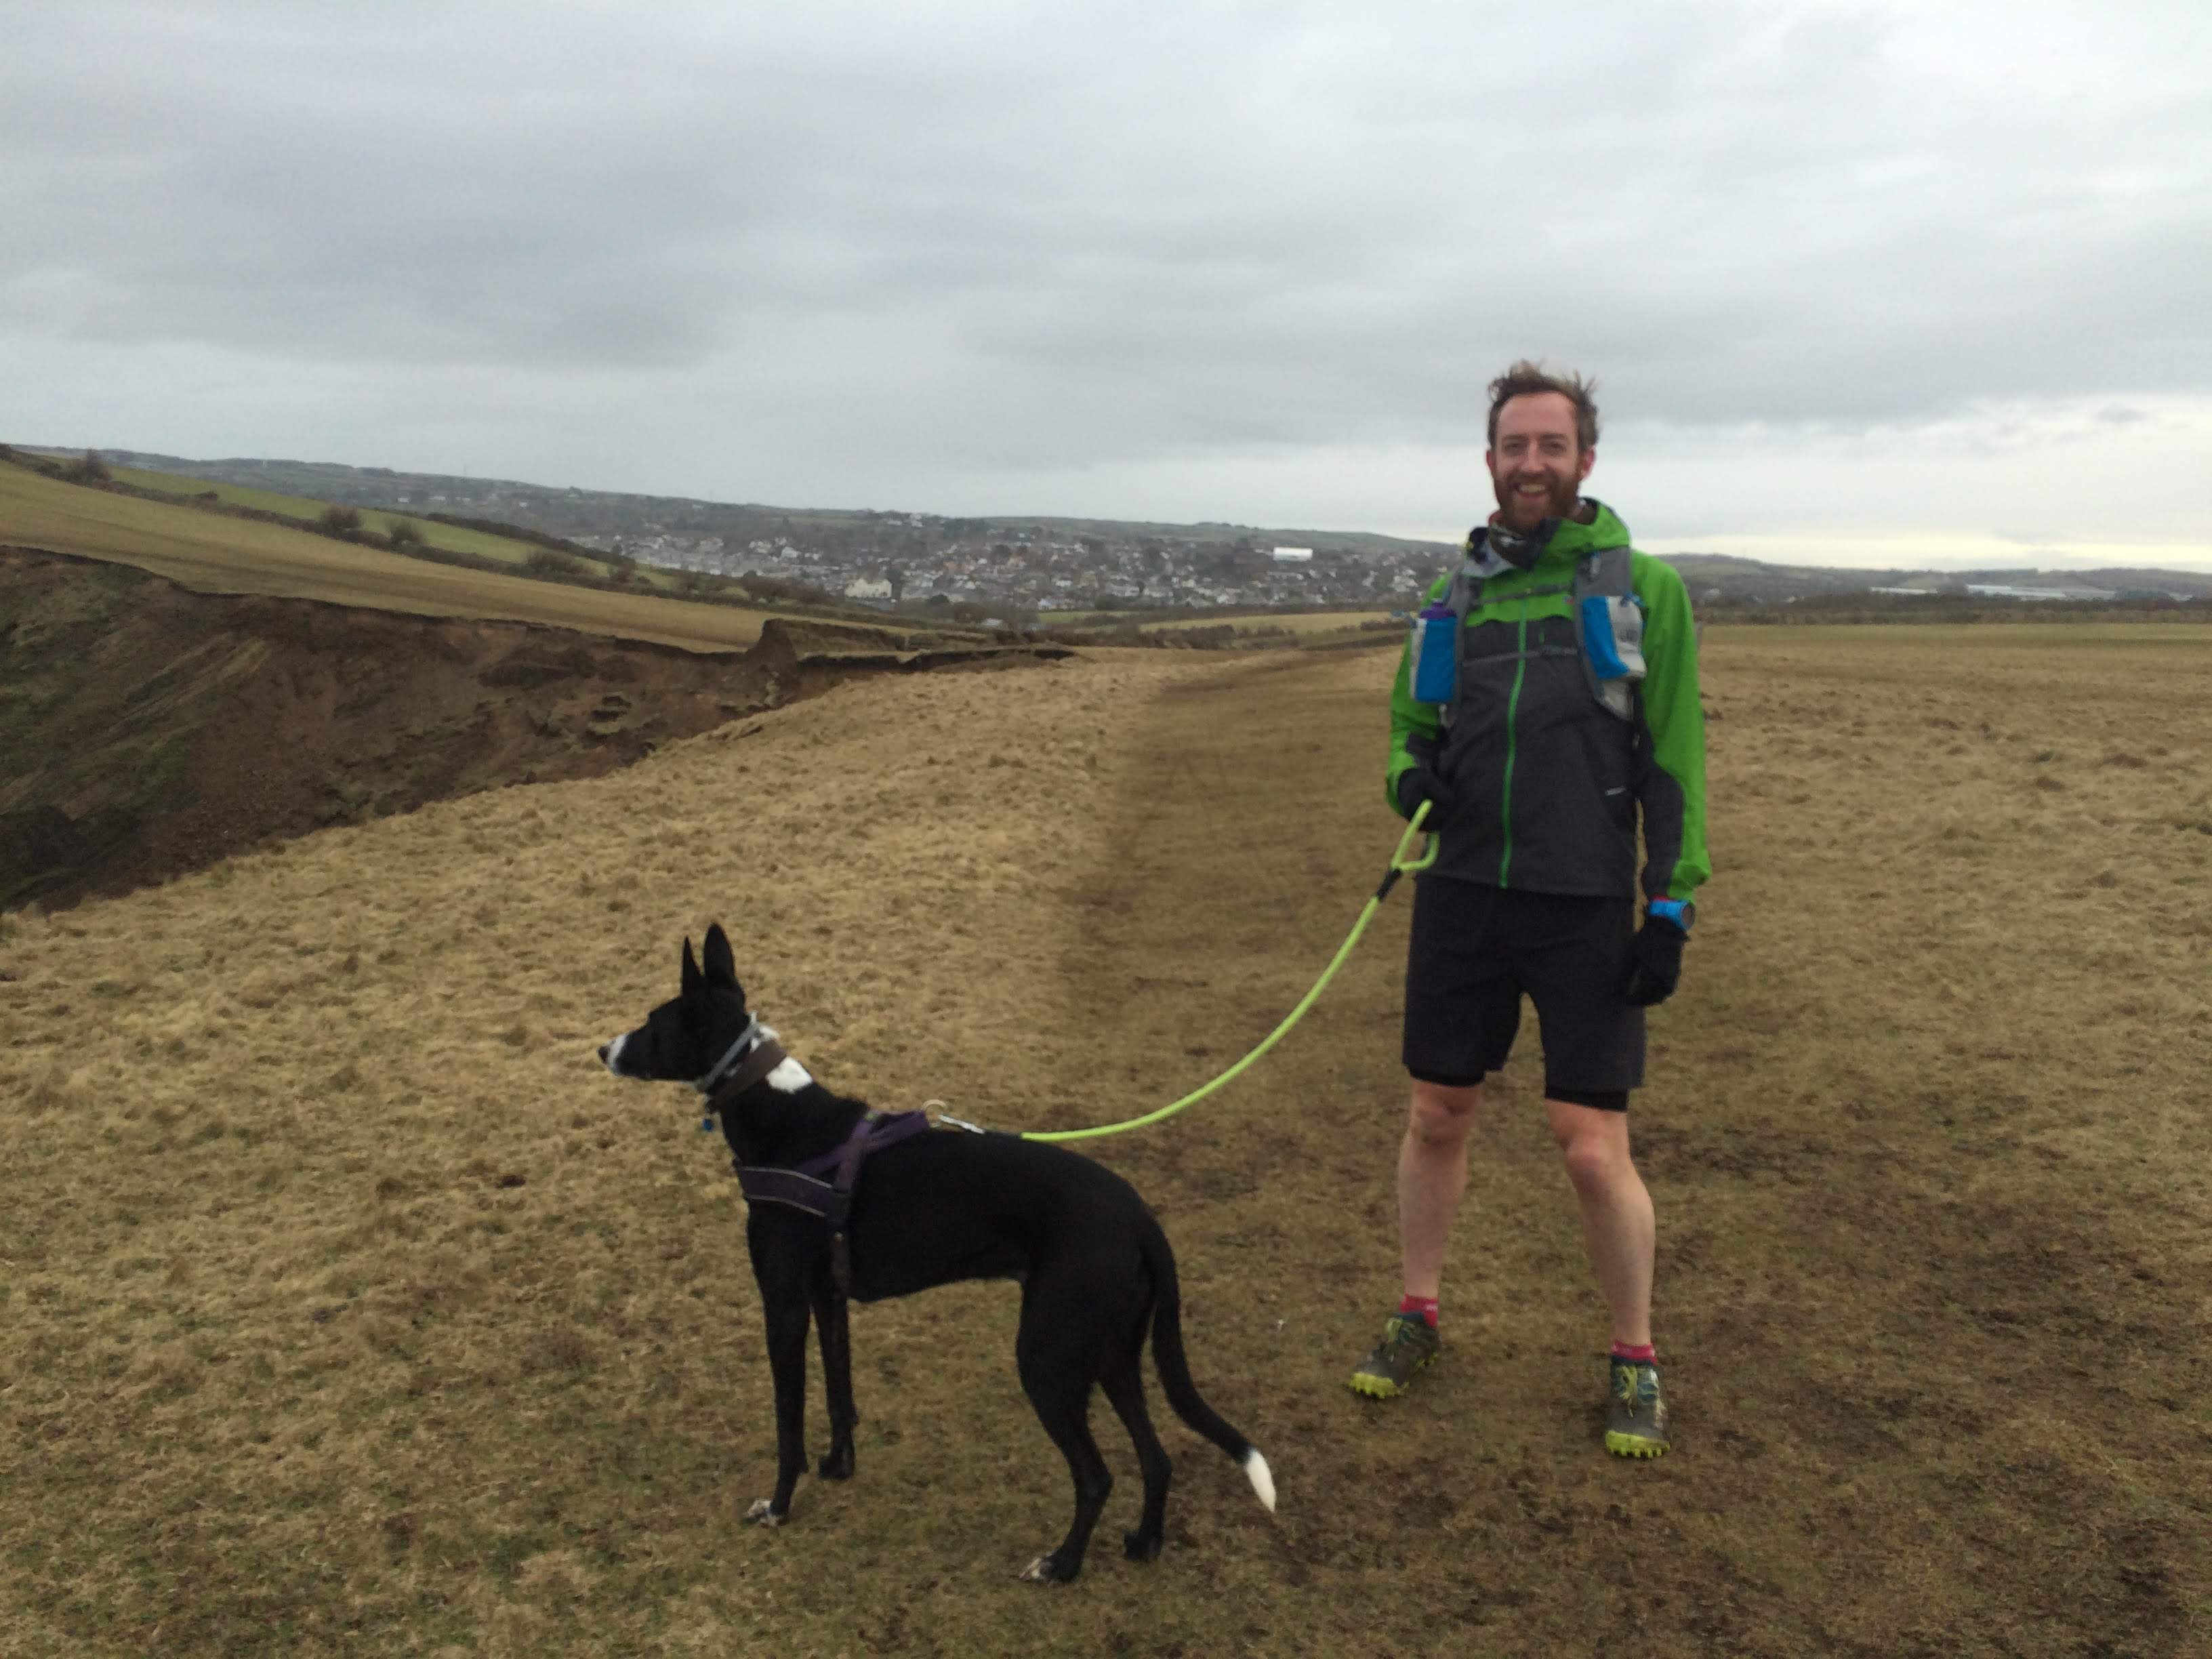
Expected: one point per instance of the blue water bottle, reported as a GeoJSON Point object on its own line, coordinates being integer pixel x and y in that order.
{"type": "Point", "coordinates": [1436, 655]}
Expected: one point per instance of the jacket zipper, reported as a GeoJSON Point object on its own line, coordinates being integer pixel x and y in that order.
{"type": "Point", "coordinates": [1512, 705]}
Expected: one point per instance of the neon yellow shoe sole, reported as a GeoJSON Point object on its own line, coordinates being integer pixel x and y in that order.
{"type": "Point", "coordinates": [1635, 1425]}
{"type": "Point", "coordinates": [1409, 1344]}
{"type": "Point", "coordinates": [1380, 1387]}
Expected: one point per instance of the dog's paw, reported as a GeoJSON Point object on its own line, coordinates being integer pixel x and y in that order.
{"type": "Point", "coordinates": [763, 1514]}
{"type": "Point", "coordinates": [838, 1466]}
{"type": "Point", "coordinates": [1049, 1569]}
{"type": "Point", "coordinates": [1140, 1546]}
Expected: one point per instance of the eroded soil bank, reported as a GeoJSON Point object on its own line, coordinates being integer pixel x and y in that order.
{"type": "Point", "coordinates": [147, 730]}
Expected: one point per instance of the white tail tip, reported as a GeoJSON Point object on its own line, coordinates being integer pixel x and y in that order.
{"type": "Point", "coordinates": [1262, 1478]}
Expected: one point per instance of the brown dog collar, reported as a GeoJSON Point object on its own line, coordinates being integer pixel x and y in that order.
{"type": "Point", "coordinates": [762, 1058]}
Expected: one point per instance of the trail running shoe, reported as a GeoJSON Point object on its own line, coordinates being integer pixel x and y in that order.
{"type": "Point", "coordinates": [1408, 1343]}
{"type": "Point", "coordinates": [1636, 1421]}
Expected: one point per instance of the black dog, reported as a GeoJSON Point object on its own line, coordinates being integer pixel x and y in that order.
{"type": "Point", "coordinates": [929, 1209]}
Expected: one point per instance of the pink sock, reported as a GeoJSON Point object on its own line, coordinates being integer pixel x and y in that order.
{"type": "Point", "coordinates": [1424, 1305]}
{"type": "Point", "coordinates": [1646, 1355]}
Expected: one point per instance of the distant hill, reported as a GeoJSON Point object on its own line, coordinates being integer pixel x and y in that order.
{"type": "Point", "coordinates": [863, 538]}
{"type": "Point", "coordinates": [240, 547]}
{"type": "Point", "coordinates": [566, 511]}
{"type": "Point", "coordinates": [1729, 580]}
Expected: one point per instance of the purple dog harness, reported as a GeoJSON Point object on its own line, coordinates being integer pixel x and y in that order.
{"type": "Point", "coordinates": [805, 1188]}
{"type": "Point", "coordinates": [822, 1186]}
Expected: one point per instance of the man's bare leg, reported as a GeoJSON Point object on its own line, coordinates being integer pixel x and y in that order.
{"type": "Point", "coordinates": [1432, 1178]}
{"type": "Point", "coordinates": [1618, 1226]}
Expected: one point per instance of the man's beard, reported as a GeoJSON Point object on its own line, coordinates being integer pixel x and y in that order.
{"type": "Point", "coordinates": [1519, 512]}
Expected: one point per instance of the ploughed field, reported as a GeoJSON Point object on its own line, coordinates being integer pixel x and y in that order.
{"type": "Point", "coordinates": [347, 1306]}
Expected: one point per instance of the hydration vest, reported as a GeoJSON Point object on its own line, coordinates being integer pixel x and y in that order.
{"type": "Point", "coordinates": [1609, 632]}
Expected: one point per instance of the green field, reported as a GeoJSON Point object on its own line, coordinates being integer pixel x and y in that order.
{"type": "Point", "coordinates": [453, 538]}
{"type": "Point", "coordinates": [447, 538]}
{"type": "Point", "coordinates": [217, 553]}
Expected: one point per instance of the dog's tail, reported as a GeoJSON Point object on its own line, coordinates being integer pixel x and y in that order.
{"type": "Point", "coordinates": [1174, 1369]}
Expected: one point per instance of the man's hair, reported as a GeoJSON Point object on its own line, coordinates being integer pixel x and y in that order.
{"type": "Point", "coordinates": [1525, 377]}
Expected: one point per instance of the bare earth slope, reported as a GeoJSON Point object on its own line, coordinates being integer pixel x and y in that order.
{"type": "Point", "coordinates": [346, 1307]}
{"type": "Point", "coordinates": [147, 729]}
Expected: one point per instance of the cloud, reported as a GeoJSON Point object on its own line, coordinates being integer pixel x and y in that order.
{"type": "Point", "coordinates": [979, 240]}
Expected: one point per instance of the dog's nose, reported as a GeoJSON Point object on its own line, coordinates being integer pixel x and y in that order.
{"type": "Point", "coordinates": [603, 1046]}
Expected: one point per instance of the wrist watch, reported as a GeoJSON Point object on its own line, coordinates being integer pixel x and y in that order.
{"type": "Point", "coordinates": [1681, 912]}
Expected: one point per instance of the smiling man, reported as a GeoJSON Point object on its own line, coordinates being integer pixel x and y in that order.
{"type": "Point", "coordinates": [1553, 710]}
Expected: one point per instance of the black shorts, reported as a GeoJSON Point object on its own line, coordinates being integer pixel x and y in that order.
{"type": "Point", "coordinates": [1476, 949]}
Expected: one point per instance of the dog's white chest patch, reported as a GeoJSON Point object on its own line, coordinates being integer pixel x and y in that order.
{"type": "Point", "coordinates": [790, 1077]}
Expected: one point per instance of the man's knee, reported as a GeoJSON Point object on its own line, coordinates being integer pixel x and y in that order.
{"type": "Point", "coordinates": [1593, 1144]}
{"type": "Point", "coordinates": [1443, 1114]}
{"type": "Point", "coordinates": [1594, 1167]}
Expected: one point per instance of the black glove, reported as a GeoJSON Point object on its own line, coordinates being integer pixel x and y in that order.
{"type": "Point", "coordinates": [1655, 961]}
{"type": "Point", "coordinates": [1418, 784]}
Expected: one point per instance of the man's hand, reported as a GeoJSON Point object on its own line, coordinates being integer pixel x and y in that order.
{"type": "Point", "coordinates": [1418, 784]}
{"type": "Point", "coordinates": [1655, 961]}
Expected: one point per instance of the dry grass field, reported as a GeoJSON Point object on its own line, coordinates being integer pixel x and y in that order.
{"type": "Point", "coordinates": [1273, 624]}
{"type": "Point", "coordinates": [214, 553]}
{"type": "Point", "coordinates": [455, 538]}
{"type": "Point", "coordinates": [346, 1306]}
{"type": "Point", "coordinates": [1290, 622]}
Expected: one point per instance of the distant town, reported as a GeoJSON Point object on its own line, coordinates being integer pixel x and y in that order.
{"type": "Point", "coordinates": [1018, 569]}
{"type": "Point", "coordinates": [1014, 568]}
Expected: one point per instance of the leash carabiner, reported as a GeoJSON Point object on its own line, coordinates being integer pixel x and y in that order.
{"type": "Point", "coordinates": [1399, 865]}
{"type": "Point", "coordinates": [946, 1120]}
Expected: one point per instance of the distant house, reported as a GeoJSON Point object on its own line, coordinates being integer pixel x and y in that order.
{"type": "Point", "coordinates": [2004, 590]}
{"type": "Point", "coordinates": [1294, 555]}
{"type": "Point", "coordinates": [868, 587]}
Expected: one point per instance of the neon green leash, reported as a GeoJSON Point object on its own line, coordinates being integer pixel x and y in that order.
{"type": "Point", "coordinates": [1400, 865]}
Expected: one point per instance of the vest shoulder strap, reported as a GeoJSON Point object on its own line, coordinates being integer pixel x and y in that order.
{"type": "Point", "coordinates": [1608, 574]}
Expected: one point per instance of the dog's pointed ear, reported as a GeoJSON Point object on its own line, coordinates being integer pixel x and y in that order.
{"type": "Point", "coordinates": [721, 965]}
{"type": "Point", "coordinates": [693, 979]}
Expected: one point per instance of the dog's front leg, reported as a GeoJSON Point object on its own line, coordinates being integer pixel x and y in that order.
{"type": "Point", "coordinates": [783, 1300]}
{"type": "Point", "coordinates": [835, 1330]}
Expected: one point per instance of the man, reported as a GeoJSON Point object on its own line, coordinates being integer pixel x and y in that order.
{"type": "Point", "coordinates": [1535, 763]}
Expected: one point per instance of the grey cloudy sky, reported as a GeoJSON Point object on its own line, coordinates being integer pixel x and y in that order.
{"type": "Point", "coordinates": [1861, 282]}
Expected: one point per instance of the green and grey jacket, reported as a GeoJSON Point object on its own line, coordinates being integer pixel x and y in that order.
{"type": "Point", "coordinates": [1550, 783]}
